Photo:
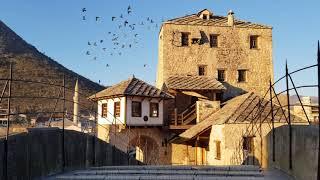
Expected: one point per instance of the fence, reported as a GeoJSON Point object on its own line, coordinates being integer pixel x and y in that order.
{"type": "Point", "coordinates": [272, 99]}
{"type": "Point", "coordinates": [46, 104]}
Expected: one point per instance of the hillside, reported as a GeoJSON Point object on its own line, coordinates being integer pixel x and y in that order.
{"type": "Point", "coordinates": [30, 64]}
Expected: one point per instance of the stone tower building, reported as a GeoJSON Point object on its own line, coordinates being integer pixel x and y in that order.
{"type": "Point", "coordinates": [236, 53]}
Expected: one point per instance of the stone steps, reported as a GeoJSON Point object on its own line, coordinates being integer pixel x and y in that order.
{"type": "Point", "coordinates": [166, 172]}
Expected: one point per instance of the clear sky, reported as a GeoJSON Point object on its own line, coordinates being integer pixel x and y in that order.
{"type": "Point", "coordinates": [57, 28]}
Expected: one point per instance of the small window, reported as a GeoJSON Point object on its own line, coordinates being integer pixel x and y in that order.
{"type": "Point", "coordinates": [184, 39]}
{"type": "Point", "coordinates": [104, 110]}
{"type": "Point", "coordinates": [242, 75]}
{"type": "Point", "coordinates": [221, 75]}
{"type": "Point", "coordinates": [202, 70]}
{"type": "Point", "coordinates": [248, 144]}
{"type": "Point", "coordinates": [218, 150]}
{"type": "Point", "coordinates": [204, 16]}
{"type": "Point", "coordinates": [117, 109]}
{"type": "Point", "coordinates": [213, 40]}
{"type": "Point", "coordinates": [154, 109]}
{"type": "Point", "coordinates": [253, 42]}
{"type": "Point", "coordinates": [136, 109]}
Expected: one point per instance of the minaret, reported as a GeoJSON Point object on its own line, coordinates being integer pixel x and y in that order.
{"type": "Point", "coordinates": [76, 103]}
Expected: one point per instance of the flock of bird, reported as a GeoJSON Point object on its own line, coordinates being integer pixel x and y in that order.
{"type": "Point", "coordinates": [124, 35]}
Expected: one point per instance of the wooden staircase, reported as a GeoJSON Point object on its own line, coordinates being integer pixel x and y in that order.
{"type": "Point", "coordinates": [185, 119]}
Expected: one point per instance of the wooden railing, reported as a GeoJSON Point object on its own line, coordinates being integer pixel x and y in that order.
{"type": "Point", "coordinates": [185, 117]}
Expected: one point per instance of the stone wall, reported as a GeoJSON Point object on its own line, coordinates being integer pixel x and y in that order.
{"type": "Point", "coordinates": [205, 107]}
{"type": "Point", "coordinates": [304, 151]}
{"type": "Point", "coordinates": [233, 53]}
{"type": "Point", "coordinates": [38, 153]}
{"type": "Point", "coordinates": [152, 140]}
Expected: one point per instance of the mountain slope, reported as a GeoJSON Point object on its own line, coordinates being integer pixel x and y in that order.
{"type": "Point", "coordinates": [30, 64]}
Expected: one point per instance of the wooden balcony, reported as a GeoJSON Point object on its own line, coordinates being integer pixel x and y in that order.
{"type": "Point", "coordinates": [183, 120]}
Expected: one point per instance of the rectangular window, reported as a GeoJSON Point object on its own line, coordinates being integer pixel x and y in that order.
{"type": "Point", "coordinates": [221, 75]}
{"type": "Point", "coordinates": [184, 39]}
{"type": "Point", "coordinates": [136, 109]}
{"type": "Point", "coordinates": [154, 109]}
{"type": "Point", "coordinates": [202, 70]}
{"type": "Point", "coordinates": [213, 40]}
{"type": "Point", "coordinates": [253, 42]}
{"type": "Point", "coordinates": [242, 75]}
{"type": "Point", "coordinates": [117, 109]}
{"type": "Point", "coordinates": [218, 150]}
{"type": "Point", "coordinates": [248, 144]}
{"type": "Point", "coordinates": [104, 110]}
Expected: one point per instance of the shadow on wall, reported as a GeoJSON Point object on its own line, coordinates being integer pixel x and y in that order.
{"type": "Point", "coordinates": [232, 91]}
{"type": "Point", "coordinates": [38, 153]}
{"type": "Point", "coordinates": [304, 150]}
{"type": "Point", "coordinates": [251, 160]}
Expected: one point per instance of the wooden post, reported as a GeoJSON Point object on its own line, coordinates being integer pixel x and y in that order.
{"type": "Point", "coordinates": [175, 116]}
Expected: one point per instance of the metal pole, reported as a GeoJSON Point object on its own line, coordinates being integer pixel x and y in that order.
{"type": "Point", "coordinates": [318, 60]}
{"type": "Point", "coordinates": [63, 111]}
{"type": "Point", "coordinates": [6, 144]}
{"type": "Point", "coordinates": [272, 120]}
{"type": "Point", "coordinates": [289, 118]}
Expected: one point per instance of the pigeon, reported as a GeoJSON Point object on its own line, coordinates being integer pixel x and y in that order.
{"type": "Point", "coordinates": [88, 53]}
{"type": "Point", "coordinates": [95, 44]}
{"type": "Point", "coordinates": [119, 26]}
{"type": "Point", "coordinates": [148, 19]}
{"type": "Point", "coordinates": [114, 39]}
{"type": "Point", "coordinates": [145, 65]}
{"type": "Point", "coordinates": [151, 21]}
{"type": "Point", "coordinates": [123, 46]}
{"type": "Point", "coordinates": [104, 49]}
{"type": "Point", "coordinates": [125, 23]}
{"type": "Point", "coordinates": [129, 12]}
{"type": "Point", "coordinates": [129, 45]}
{"type": "Point", "coordinates": [109, 32]}
{"type": "Point", "coordinates": [97, 18]}
{"type": "Point", "coordinates": [83, 17]}
{"type": "Point", "coordinates": [101, 41]}
{"type": "Point", "coordinates": [89, 43]}
{"type": "Point", "coordinates": [129, 8]}
{"type": "Point", "coordinates": [95, 58]}
{"type": "Point", "coordinates": [107, 65]}
{"type": "Point", "coordinates": [135, 35]}
{"type": "Point", "coordinates": [141, 23]}
{"type": "Point", "coordinates": [113, 18]}
{"type": "Point", "coordinates": [84, 9]}
{"type": "Point", "coordinates": [121, 16]}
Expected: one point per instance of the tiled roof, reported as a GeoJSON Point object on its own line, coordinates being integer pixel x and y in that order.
{"type": "Point", "coordinates": [238, 110]}
{"type": "Point", "coordinates": [194, 83]}
{"type": "Point", "coordinates": [194, 19]}
{"type": "Point", "coordinates": [132, 87]}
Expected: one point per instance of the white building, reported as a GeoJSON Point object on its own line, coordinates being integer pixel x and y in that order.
{"type": "Point", "coordinates": [132, 103]}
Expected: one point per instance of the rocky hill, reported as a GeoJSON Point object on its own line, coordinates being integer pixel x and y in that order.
{"type": "Point", "coordinates": [30, 64]}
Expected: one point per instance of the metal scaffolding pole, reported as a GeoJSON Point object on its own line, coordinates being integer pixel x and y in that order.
{"type": "Point", "coordinates": [6, 144]}
{"type": "Point", "coordinates": [273, 133]}
{"type": "Point", "coordinates": [318, 61]}
{"type": "Point", "coordinates": [289, 118]}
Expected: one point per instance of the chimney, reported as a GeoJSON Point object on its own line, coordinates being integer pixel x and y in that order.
{"type": "Point", "coordinates": [76, 103]}
{"type": "Point", "coordinates": [230, 18]}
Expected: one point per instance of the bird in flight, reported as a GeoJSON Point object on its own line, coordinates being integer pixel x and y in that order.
{"type": "Point", "coordinates": [135, 35]}
{"type": "Point", "coordinates": [97, 18]}
{"type": "Point", "coordinates": [113, 18]}
{"type": "Point", "coordinates": [104, 49]}
{"type": "Point", "coordinates": [84, 9]}
{"type": "Point", "coordinates": [88, 53]}
{"type": "Point", "coordinates": [89, 43]}
{"type": "Point", "coordinates": [101, 41]}
{"type": "Point", "coordinates": [121, 16]}
{"type": "Point", "coordinates": [129, 10]}
{"type": "Point", "coordinates": [95, 44]}
{"type": "Point", "coordinates": [145, 65]}
{"type": "Point", "coordinates": [83, 17]}
{"type": "Point", "coordinates": [125, 23]}
{"type": "Point", "coordinates": [107, 65]}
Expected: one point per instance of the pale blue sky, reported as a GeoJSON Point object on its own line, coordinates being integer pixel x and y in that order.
{"type": "Point", "coordinates": [56, 28]}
